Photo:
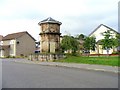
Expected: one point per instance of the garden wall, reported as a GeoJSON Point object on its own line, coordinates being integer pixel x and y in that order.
{"type": "Point", "coordinates": [45, 57]}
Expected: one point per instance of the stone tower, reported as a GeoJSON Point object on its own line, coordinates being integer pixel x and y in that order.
{"type": "Point", "coordinates": [50, 36]}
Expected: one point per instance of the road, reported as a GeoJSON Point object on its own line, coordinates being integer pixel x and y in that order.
{"type": "Point", "coordinates": [20, 75]}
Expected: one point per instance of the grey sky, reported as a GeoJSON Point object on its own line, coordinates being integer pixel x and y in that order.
{"type": "Point", "coordinates": [77, 16]}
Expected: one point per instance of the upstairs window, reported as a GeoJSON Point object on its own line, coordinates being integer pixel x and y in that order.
{"type": "Point", "coordinates": [12, 41]}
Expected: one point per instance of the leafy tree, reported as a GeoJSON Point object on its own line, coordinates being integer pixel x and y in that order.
{"type": "Point", "coordinates": [108, 42]}
{"type": "Point", "coordinates": [89, 43]}
{"type": "Point", "coordinates": [69, 43]}
{"type": "Point", "coordinates": [81, 37]}
{"type": "Point", "coordinates": [66, 43]}
{"type": "Point", "coordinates": [117, 40]}
{"type": "Point", "coordinates": [92, 43]}
{"type": "Point", "coordinates": [74, 44]}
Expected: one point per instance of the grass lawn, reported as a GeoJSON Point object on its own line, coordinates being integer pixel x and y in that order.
{"type": "Point", "coordinates": [102, 60]}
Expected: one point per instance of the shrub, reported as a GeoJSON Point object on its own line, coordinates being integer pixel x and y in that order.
{"type": "Point", "coordinates": [115, 52]}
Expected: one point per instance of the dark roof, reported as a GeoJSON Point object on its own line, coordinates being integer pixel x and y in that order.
{"type": "Point", "coordinates": [16, 35]}
{"type": "Point", "coordinates": [50, 20]}
{"type": "Point", "coordinates": [104, 26]}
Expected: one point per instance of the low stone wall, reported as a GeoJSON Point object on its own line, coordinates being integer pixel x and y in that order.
{"type": "Point", "coordinates": [45, 57]}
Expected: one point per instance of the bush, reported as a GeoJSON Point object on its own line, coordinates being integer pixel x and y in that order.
{"type": "Point", "coordinates": [75, 54]}
{"type": "Point", "coordinates": [10, 56]}
{"type": "Point", "coordinates": [115, 52]}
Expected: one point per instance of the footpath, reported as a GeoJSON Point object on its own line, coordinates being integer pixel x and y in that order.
{"type": "Point", "coordinates": [102, 68]}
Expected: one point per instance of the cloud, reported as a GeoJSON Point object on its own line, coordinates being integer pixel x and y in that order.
{"type": "Point", "coordinates": [77, 16]}
{"type": "Point", "coordinates": [13, 26]}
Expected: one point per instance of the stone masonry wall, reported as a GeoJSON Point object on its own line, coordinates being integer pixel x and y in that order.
{"type": "Point", "coordinates": [50, 38]}
{"type": "Point", "coordinates": [45, 57]}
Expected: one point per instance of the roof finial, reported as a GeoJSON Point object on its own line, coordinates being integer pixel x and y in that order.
{"type": "Point", "coordinates": [49, 18]}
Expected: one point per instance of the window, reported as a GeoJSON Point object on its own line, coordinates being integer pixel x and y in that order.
{"type": "Point", "coordinates": [11, 41]}
{"type": "Point", "coordinates": [1, 43]}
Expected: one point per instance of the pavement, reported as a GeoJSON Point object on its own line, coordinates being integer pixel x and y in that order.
{"type": "Point", "coordinates": [102, 68]}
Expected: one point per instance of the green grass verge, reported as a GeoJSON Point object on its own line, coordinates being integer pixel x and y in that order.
{"type": "Point", "coordinates": [111, 61]}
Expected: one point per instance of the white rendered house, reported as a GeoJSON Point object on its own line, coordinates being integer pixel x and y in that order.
{"type": "Point", "coordinates": [97, 33]}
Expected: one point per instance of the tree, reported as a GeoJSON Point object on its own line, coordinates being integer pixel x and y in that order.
{"type": "Point", "coordinates": [89, 43]}
{"type": "Point", "coordinates": [92, 43]}
{"type": "Point", "coordinates": [117, 40]}
{"type": "Point", "coordinates": [80, 38]}
{"type": "Point", "coordinates": [69, 43]}
{"type": "Point", "coordinates": [75, 45]}
{"type": "Point", "coordinates": [108, 42]}
{"type": "Point", "coordinates": [66, 43]}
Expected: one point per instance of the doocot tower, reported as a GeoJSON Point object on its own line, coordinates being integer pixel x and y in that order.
{"type": "Point", "coordinates": [50, 36]}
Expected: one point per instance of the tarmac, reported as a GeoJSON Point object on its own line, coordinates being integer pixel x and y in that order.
{"type": "Point", "coordinates": [103, 68]}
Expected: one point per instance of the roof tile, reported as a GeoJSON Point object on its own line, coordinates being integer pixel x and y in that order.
{"type": "Point", "coordinates": [49, 20]}
{"type": "Point", "coordinates": [15, 35]}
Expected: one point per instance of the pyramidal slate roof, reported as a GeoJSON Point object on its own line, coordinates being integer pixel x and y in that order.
{"type": "Point", "coordinates": [16, 35]}
{"type": "Point", "coordinates": [49, 20]}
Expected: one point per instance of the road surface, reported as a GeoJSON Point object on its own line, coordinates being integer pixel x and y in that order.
{"type": "Point", "coordinates": [20, 75]}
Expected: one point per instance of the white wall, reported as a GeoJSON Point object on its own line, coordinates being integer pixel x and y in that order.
{"type": "Point", "coordinates": [99, 31]}
{"type": "Point", "coordinates": [13, 47]}
{"type": "Point", "coordinates": [99, 36]}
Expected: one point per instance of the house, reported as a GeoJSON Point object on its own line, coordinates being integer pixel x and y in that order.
{"type": "Point", "coordinates": [97, 33]}
{"type": "Point", "coordinates": [17, 44]}
{"type": "Point", "coordinates": [0, 43]}
{"type": "Point", "coordinates": [1, 37]}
